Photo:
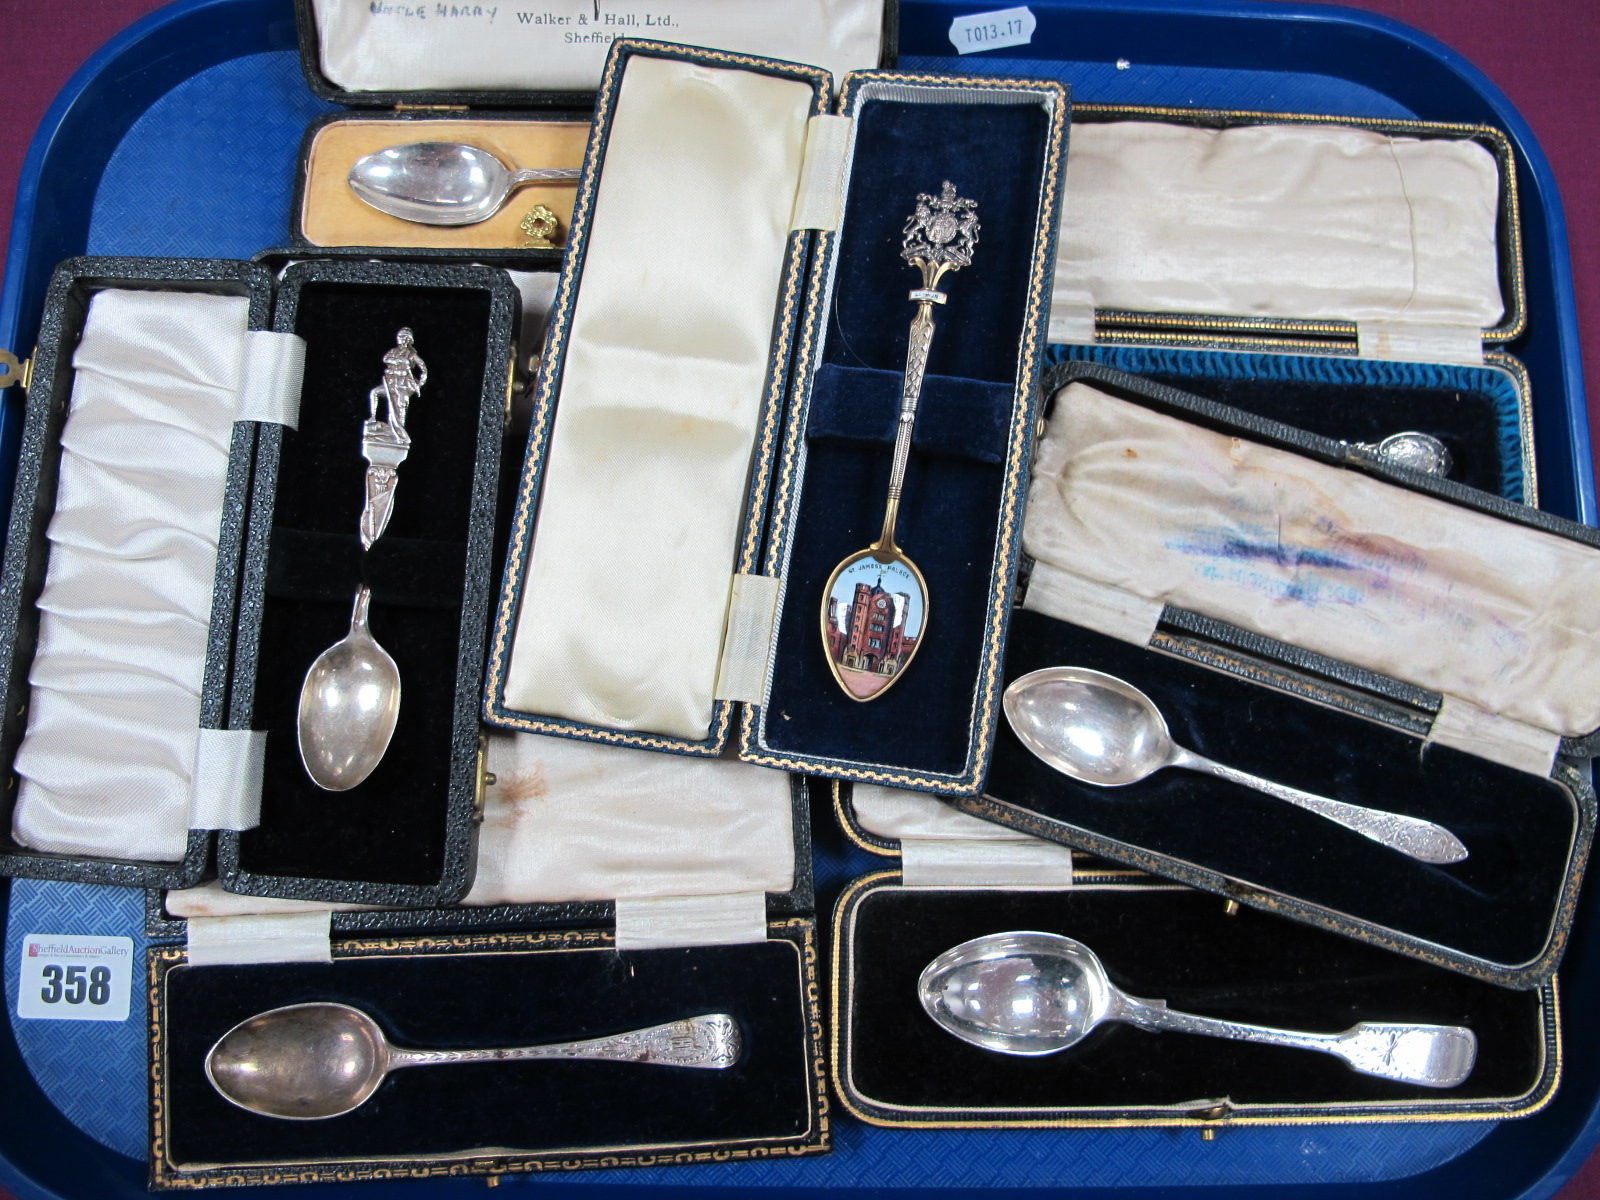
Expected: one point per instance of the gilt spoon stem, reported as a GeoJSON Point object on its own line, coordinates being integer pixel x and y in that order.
{"type": "Point", "coordinates": [875, 605]}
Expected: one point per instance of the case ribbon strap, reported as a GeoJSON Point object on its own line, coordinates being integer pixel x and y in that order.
{"type": "Point", "coordinates": [657, 922]}
{"type": "Point", "coordinates": [747, 638]}
{"type": "Point", "coordinates": [1523, 747]}
{"type": "Point", "coordinates": [1406, 342]}
{"type": "Point", "coordinates": [1071, 317]}
{"type": "Point", "coordinates": [225, 792]}
{"type": "Point", "coordinates": [819, 200]}
{"type": "Point", "coordinates": [274, 371]}
{"type": "Point", "coordinates": [1101, 607]}
{"type": "Point", "coordinates": [985, 862]}
{"type": "Point", "coordinates": [280, 937]}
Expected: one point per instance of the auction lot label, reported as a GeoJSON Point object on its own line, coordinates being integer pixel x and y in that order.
{"type": "Point", "coordinates": [73, 977]}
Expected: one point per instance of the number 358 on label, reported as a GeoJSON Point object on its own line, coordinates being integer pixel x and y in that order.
{"type": "Point", "coordinates": [67, 977]}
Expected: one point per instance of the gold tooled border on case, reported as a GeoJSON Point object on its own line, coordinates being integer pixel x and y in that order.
{"type": "Point", "coordinates": [1203, 1115]}
{"type": "Point", "coordinates": [799, 932]}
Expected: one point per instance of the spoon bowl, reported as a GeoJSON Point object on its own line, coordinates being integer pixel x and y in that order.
{"type": "Point", "coordinates": [304, 1062]}
{"type": "Point", "coordinates": [443, 183]}
{"type": "Point", "coordinates": [1017, 993]}
{"type": "Point", "coordinates": [1100, 730]}
{"type": "Point", "coordinates": [1414, 449]}
{"type": "Point", "coordinates": [309, 1062]}
{"type": "Point", "coordinates": [349, 705]}
{"type": "Point", "coordinates": [1031, 994]}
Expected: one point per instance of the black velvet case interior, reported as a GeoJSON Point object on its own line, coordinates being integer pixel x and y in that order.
{"type": "Point", "coordinates": [950, 514]}
{"type": "Point", "coordinates": [1159, 943]}
{"type": "Point", "coordinates": [429, 575]}
{"type": "Point", "coordinates": [471, 998]}
{"type": "Point", "coordinates": [1499, 905]}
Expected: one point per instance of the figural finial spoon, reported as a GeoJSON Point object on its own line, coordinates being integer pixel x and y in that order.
{"type": "Point", "coordinates": [350, 700]}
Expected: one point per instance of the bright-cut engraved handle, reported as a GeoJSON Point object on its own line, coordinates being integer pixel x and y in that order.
{"type": "Point", "coordinates": [544, 175]}
{"type": "Point", "coordinates": [1438, 1056]}
{"type": "Point", "coordinates": [1410, 835]}
{"type": "Point", "coordinates": [911, 391]}
{"type": "Point", "coordinates": [710, 1042]}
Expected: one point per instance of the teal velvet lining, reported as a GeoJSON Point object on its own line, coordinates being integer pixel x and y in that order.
{"type": "Point", "coordinates": [1476, 411]}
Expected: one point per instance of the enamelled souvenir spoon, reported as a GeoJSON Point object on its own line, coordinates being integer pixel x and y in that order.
{"type": "Point", "coordinates": [875, 606]}
{"type": "Point", "coordinates": [305, 1062]}
{"type": "Point", "coordinates": [1032, 993]}
{"type": "Point", "coordinates": [350, 700]}
{"type": "Point", "coordinates": [1099, 730]}
{"type": "Point", "coordinates": [443, 183]}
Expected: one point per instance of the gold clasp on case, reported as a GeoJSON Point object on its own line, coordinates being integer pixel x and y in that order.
{"type": "Point", "coordinates": [12, 371]}
{"type": "Point", "coordinates": [485, 780]}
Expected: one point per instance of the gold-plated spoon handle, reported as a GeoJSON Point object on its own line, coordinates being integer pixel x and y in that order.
{"type": "Point", "coordinates": [711, 1042]}
{"type": "Point", "coordinates": [910, 393]}
{"type": "Point", "coordinates": [939, 237]}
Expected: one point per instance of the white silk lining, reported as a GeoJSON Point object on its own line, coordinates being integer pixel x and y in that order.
{"type": "Point", "coordinates": [573, 820]}
{"type": "Point", "coordinates": [1313, 222]}
{"type": "Point", "coordinates": [569, 820]}
{"type": "Point", "coordinates": [1504, 617]}
{"type": "Point", "coordinates": [415, 46]}
{"type": "Point", "coordinates": [647, 469]}
{"type": "Point", "coordinates": [108, 759]}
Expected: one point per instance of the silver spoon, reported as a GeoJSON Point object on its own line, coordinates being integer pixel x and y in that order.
{"type": "Point", "coordinates": [1102, 731]}
{"type": "Point", "coordinates": [349, 704]}
{"type": "Point", "coordinates": [1419, 451]}
{"type": "Point", "coordinates": [443, 183]}
{"type": "Point", "coordinates": [350, 698]}
{"type": "Point", "coordinates": [305, 1062]}
{"type": "Point", "coordinates": [1032, 993]}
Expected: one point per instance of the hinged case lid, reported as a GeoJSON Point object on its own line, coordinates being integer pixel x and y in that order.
{"type": "Point", "coordinates": [1390, 238]}
{"type": "Point", "coordinates": [1243, 691]}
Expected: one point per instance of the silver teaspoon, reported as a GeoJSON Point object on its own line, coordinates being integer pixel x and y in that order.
{"type": "Point", "coordinates": [1102, 731]}
{"type": "Point", "coordinates": [1032, 993]}
{"type": "Point", "coordinates": [1419, 451]}
{"type": "Point", "coordinates": [305, 1062]}
{"type": "Point", "coordinates": [443, 183]}
{"type": "Point", "coordinates": [349, 704]}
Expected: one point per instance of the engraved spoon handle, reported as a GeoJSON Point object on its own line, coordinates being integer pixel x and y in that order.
{"type": "Point", "coordinates": [1410, 835]}
{"type": "Point", "coordinates": [711, 1042]}
{"type": "Point", "coordinates": [544, 175]}
{"type": "Point", "coordinates": [1430, 1055]}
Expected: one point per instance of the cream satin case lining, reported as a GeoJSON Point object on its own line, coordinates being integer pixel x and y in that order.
{"type": "Point", "coordinates": [621, 616]}
{"type": "Point", "coordinates": [109, 758]}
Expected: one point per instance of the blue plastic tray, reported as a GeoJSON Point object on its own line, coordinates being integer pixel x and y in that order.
{"type": "Point", "coordinates": [179, 138]}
